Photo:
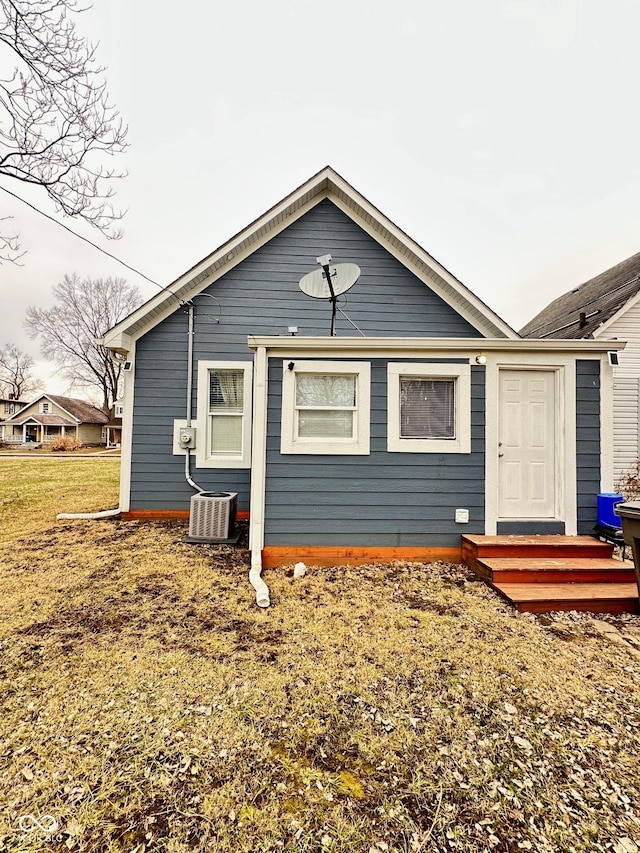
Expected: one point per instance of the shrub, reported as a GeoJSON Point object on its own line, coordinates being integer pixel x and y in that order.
{"type": "Point", "coordinates": [628, 483]}
{"type": "Point", "coordinates": [64, 444]}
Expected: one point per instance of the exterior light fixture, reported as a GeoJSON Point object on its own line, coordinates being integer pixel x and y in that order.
{"type": "Point", "coordinates": [481, 359]}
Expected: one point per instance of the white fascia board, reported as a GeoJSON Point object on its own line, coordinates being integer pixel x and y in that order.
{"type": "Point", "coordinates": [326, 184]}
{"type": "Point", "coordinates": [337, 347]}
{"type": "Point", "coordinates": [219, 262]}
{"type": "Point", "coordinates": [464, 301]}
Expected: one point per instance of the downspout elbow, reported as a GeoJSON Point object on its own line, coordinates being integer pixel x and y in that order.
{"type": "Point", "coordinates": [105, 513]}
{"type": "Point", "coordinates": [255, 579]}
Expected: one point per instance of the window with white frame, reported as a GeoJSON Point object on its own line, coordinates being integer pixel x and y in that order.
{"type": "Point", "coordinates": [429, 408]}
{"type": "Point", "coordinates": [224, 414]}
{"type": "Point", "coordinates": [45, 408]}
{"type": "Point", "coordinates": [325, 407]}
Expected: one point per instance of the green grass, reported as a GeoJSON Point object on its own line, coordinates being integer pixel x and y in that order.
{"type": "Point", "coordinates": [150, 705]}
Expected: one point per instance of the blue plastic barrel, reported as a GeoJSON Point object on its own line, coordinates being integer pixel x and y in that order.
{"type": "Point", "coordinates": [606, 502]}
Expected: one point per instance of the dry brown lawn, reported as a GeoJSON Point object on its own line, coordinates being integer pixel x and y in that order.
{"type": "Point", "coordinates": [149, 705]}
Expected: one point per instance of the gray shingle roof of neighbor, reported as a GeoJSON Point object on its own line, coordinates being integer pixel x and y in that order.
{"type": "Point", "coordinates": [580, 311]}
{"type": "Point", "coordinates": [46, 420]}
{"type": "Point", "coordinates": [84, 412]}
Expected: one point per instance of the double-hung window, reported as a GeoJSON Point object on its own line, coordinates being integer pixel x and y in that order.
{"type": "Point", "coordinates": [325, 407]}
{"type": "Point", "coordinates": [224, 414]}
{"type": "Point", "coordinates": [429, 408]}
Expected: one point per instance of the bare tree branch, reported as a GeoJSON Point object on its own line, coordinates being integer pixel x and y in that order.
{"type": "Point", "coordinates": [56, 122]}
{"type": "Point", "coordinates": [85, 310]}
{"type": "Point", "coordinates": [10, 246]}
{"type": "Point", "coordinates": [16, 380]}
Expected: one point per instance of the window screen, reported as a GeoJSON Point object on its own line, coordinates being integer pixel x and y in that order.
{"type": "Point", "coordinates": [427, 408]}
{"type": "Point", "coordinates": [325, 405]}
{"type": "Point", "coordinates": [226, 409]}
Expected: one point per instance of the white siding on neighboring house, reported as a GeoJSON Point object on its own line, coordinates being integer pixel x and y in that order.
{"type": "Point", "coordinates": [626, 380]}
{"type": "Point", "coordinates": [625, 446]}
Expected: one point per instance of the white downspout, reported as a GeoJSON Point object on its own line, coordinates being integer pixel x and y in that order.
{"type": "Point", "coordinates": [258, 472]}
{"type": "Point", "coordinates": [104, 513]}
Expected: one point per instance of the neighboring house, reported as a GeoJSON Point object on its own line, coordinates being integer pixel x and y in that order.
{"type": "Point", "coordinates": [605, 307]}
{"type": "Point", "coordinates": [425, 417]}
{"type": "Point", "coordinates": [50, 416]}
{"type": "Point", "coordinates": [8, 406]}
{"type": "Point", "coordinates": [113, 429]}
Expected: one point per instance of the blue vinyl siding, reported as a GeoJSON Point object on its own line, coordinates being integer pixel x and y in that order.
{"type": "Point", "coordinates": [393, 499]}
{"type": "Point", "coordinates": [588, 442]}
{"type": "Point", "coordinates": [260, 296]}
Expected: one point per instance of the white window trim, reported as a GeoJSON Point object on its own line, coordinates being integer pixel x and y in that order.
{"type": "Point", "coordinates": [203, 460]}
{"type": "Point", "coordinates": [462, 374]}
{"type": "Point", "coordinates": [356, 446]}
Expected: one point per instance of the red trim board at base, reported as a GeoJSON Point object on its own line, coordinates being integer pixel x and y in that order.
{"type": "Point", "coordinates": [169, 515]}
{"type": "Point", "coordinates": [332, 555]}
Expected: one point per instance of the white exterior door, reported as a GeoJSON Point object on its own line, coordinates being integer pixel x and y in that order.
{"type": "Point", "coordinates": [528, 444]}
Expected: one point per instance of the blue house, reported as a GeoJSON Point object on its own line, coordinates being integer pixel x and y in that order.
{"type": "Point", "coordinates": [424, 417]}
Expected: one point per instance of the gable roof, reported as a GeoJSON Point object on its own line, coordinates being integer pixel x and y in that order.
{"type": "Point", "coordinates": [79, 411]}
{"type": "Point", "coordinates": [581, 312]}
{"type": "Point", "coordinates": [326, 184]}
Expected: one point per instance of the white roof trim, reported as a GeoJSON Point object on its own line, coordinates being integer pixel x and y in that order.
{"type": "Point", "coordinates": [335, 346]}
{"type": "Point", "coordinates": [325, 184]}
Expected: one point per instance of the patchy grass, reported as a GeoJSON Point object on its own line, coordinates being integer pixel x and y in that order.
{"type": "Point", "coordinates": [34, 491]}
{"type": "Point", "coordinates": [149, 705]}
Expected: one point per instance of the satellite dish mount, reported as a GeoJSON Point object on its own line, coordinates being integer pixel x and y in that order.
{"type": "Point", "coordinates": [323, 260]}
{"type": "Point", "coordinates": [329, 282]}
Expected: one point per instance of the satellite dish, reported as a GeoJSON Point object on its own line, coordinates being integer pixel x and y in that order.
{"type": "Point", "coordinates": [342, 277]}
{"type": "Point", "coordinates": [329, 282]}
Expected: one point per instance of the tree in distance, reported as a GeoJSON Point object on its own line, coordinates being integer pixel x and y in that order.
{"type": "Point", "coordinates": [56, 122]}
{"type": "Point", "coordinates": [16, 381]}
{"type": "Point", "coordinates": [84, 310]}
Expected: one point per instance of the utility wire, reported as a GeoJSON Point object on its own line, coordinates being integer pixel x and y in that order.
{"type": "Point", "coordinates": [86, 239]}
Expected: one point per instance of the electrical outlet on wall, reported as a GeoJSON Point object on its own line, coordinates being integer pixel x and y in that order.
{"type": "Point", "coordinates": [462, 516]}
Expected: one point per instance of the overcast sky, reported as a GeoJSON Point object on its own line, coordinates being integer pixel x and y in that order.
{"type": "Point", "coordinates": [501, 135]}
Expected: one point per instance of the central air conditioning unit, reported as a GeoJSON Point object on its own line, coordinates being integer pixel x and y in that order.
{"type": "Point", "coordinates": [212, 517]}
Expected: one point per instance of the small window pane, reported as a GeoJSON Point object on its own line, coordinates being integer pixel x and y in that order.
{"type": "Point", "coordinates": [317, 390]}
{"type": "Point", "coordinates": [427, 408]}
{"type": "Point", "coordinates": [226, 390]}
{"type": "Point", "coordinates": [226, 435]}
{"type": "Point", "coordinates": [325, 424]}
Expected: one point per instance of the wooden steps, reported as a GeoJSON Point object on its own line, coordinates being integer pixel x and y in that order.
{"type": "Point", "coordinates": [539, 574]}
{"type": "Point", "coordinates": [593, 597]}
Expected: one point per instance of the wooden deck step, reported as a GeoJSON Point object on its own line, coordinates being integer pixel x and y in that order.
{"type": "Point", "coordinates": [592, 597]}
{"type": "Point", "coordinates": [554, 570]}
{"type": "Point", "coordinates": [534, 546]}
{"type": "Point", "coordinates": [544, 573]}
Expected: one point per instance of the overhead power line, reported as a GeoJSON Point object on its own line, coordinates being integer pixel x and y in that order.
{"type": "Point", "coordinates": [86, 239]}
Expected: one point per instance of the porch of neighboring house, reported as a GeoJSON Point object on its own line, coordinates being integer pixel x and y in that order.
{"type": "Point", "coordinates": [39, 432]}
{"type": "Point", "coordinates": [112, 434]}
{"type": "Point", "coordinates": [540, 574]}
